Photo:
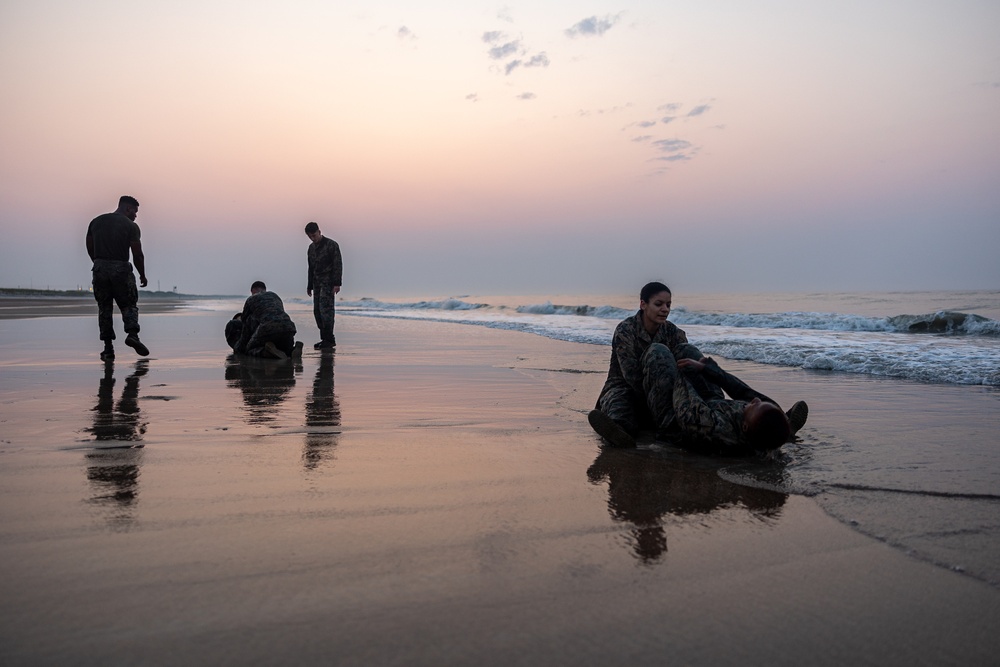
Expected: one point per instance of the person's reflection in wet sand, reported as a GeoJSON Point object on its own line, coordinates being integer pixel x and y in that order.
{"type": "Point", "coordinates": [113, 465]}
{"type": "Point", "coordinates": [322, 415]}
{"type": "Point", "coordinates": [644, 487]}
{"type": "Point", "coordinates": [265, 384]}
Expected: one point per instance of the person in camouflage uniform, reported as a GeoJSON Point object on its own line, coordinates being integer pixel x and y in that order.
{"type": "Point", "coordinates": [636, 393]}
{"type": "Point", "coordinates": [748, 422]}
{"type": "Point", "coordinates": [326, 268]}
{"type": "Point", "coordinates": [110, 237]}
{"type": "Point", "coordinates": [263, 329]}
{"type": "Point", "coordinates": [639, 392]}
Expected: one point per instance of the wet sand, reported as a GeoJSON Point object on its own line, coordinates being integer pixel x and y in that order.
{"type": "Point", "coordinates": [428, 494]}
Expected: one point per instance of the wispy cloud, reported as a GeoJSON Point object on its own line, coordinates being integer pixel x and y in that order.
{"type": "Point", "coordinates": [593, 26]}
{"type": "Point", "coordinates": [526, 96]}
{"type": "Point", "coordinates": [472, 97]}
{"type": "Point", "coordinates": [502, 47]}
{"type": "Point", "coordinates": [646, 123]}
{"type": "Point", "coordinates": [698, 110]}
{"type": "Point", "coordinates": [405, 34]}
{"type": "Point", "coordinates": [642, 138]}
{"type": "Point", "coordinates": [672, 107]}
{"type": "Point", "coordinates": [672, 145]}
{"type": "Point", "coordinates": [668, 119]}
{"type": "Point", "coordinates": [538, 60]}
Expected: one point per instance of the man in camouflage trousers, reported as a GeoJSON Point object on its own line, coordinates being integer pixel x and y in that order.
{"type": "Point", "coordinates": [110, 237]}
{"type": "Point", "coordinates": [263, 329]}
{"type": "Point", "coordinates": [326, 268]}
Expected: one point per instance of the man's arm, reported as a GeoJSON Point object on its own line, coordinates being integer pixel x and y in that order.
{"type": "Point", "coordinates": [140, 261]}
{"type": "Point", "coordinates": [337, 274]}
{"type": "Point", "coordinates": [309, 281]}
{"type": "Point", "coordinates": [90, 245]}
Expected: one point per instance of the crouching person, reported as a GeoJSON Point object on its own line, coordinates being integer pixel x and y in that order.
{"type": "Point", "coordinates": [263, 329]}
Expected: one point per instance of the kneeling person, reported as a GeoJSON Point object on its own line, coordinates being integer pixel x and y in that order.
{"type": "Point", "coordinates": [263, 329]}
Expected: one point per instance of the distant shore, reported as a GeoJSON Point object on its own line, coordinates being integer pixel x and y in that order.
{"type": "Point", "coordinates": [20, 303]}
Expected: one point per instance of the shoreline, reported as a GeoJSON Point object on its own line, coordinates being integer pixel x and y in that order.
{"type": "Point", "coordinates": [35, 305]}
{"type": "Point", "coordinates": [430, 493]}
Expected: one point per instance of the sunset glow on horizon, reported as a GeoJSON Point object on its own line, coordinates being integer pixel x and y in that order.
{"type": "Point", "coordinates": [508, 147]}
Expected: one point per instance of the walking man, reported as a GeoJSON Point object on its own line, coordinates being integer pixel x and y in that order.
{"type": "Point", "coordinates": [110, 237]}
{"type": "Point", "coordinates": [326, 268]}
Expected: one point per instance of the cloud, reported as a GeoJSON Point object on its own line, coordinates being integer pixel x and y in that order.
{"type": "Point", "coordinates": [405, 33]}
{"type": "Point", "coordinates": [538, 60]}
{"type": "Point", "coordinates": [674, 158]}
{"type": "Point", "coordinates": [646, 123]}
{"type": "Point", "coordinates": [642, 138]}
{"type": "Point", "coordinates": [511, 66]}
{"type": "Point", "coordinates": [526, 96]}
{"type": "Point", "coordinates": [593, 26]}
{"type": "Point", "coordinates": [506, 49]}
{"type": "Point", "coordinates": [698, 110]}
{"type": "Point", "coordinates": [672, 145]}
{"type": "Point", "coordinates": [670, 108]}
{"type": "Point", "coordinates": [492, 36]}
{"type": "Point", "coordinates": [472, 97]}
{"type": "Point", "coordinates": [668, 119]}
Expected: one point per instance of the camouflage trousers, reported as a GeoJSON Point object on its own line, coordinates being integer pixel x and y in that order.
{"type": "Point", "coordinates": [114, 283]}
{"type": "Point", "coordinates": [270, 332]}
{"type": "Point", "coordinates": [655, 407]}
{"type": "Point", "coordinates": [324, 308]}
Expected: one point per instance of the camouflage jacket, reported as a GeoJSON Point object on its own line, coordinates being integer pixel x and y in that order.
{"type": "Point", "coordinates": [263, 310]}
{"type": "Point", "coordinates": [630, 342]}
{"type": "Point", "coordinates": [325, 263]}
{"type": "Point", "coordinates": [714, 425]}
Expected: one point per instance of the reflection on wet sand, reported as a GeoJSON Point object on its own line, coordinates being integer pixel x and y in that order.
{"type": "Point", "coordinates": [113, 466]}
{"type": "Point", "coordinates": [265, 384]}
{"type": "Point", "coordinates": [644, 487]}
{"type": "Point", "coordinates": [322, 415]}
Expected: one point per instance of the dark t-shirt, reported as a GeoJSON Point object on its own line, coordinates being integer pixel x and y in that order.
{"type": "Point", "coordinates": [113, 235]}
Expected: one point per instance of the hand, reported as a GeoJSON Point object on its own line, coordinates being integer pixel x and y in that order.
{"type": "Point", "coordinates": [142, 281]}
{"type": "Point", "coordinates": [309, 292]}
{"type": "Point", "coordinates": [336, 289]}
{"type": "Point", "coordinates": [690, 365]}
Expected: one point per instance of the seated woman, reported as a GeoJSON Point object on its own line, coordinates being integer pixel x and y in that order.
{"type": "Point", "coordinates": [639, 392]}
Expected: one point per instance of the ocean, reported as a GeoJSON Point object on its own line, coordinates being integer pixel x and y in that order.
{"type": "Point", "coordinates": [903, 440]}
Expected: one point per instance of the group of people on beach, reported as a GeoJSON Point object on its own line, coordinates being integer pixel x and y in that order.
{"type": "Point", "coordinates": [261, 329]}
{"type": "Point", "coordinates": [657, 380]}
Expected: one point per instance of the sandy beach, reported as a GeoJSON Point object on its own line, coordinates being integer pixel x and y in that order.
{"type": "Point", "coordinates": [428, 494]}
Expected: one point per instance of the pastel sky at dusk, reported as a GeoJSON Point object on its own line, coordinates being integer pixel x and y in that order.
{"type": "Point", "coordinates": [473, 147]}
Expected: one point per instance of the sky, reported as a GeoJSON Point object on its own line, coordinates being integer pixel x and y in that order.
{"type": "Point", "coordinates": [514, 148]}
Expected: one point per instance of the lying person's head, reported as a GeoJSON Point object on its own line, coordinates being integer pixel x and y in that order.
{"type": "Point", "coordinates": [765, 425]}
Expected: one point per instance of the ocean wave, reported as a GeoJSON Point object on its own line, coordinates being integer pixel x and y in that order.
{"type": "Point", "coordinates": [941, 322]}
{"type": "Point", "coordinates": [368, 303]}
{"type": "Point", "coordinates": [603, 312]}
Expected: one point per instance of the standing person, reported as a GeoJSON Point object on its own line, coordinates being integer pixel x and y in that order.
{"type": "Point", "coordinates": [326, 269]}
{"type": "Point", "coordinates": [263, 329]}
{"type": "Point", "coordinates": [110, 237]}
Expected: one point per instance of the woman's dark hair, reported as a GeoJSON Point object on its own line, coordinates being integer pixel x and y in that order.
{"type": "Point", "coordinates": [649, 289]}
